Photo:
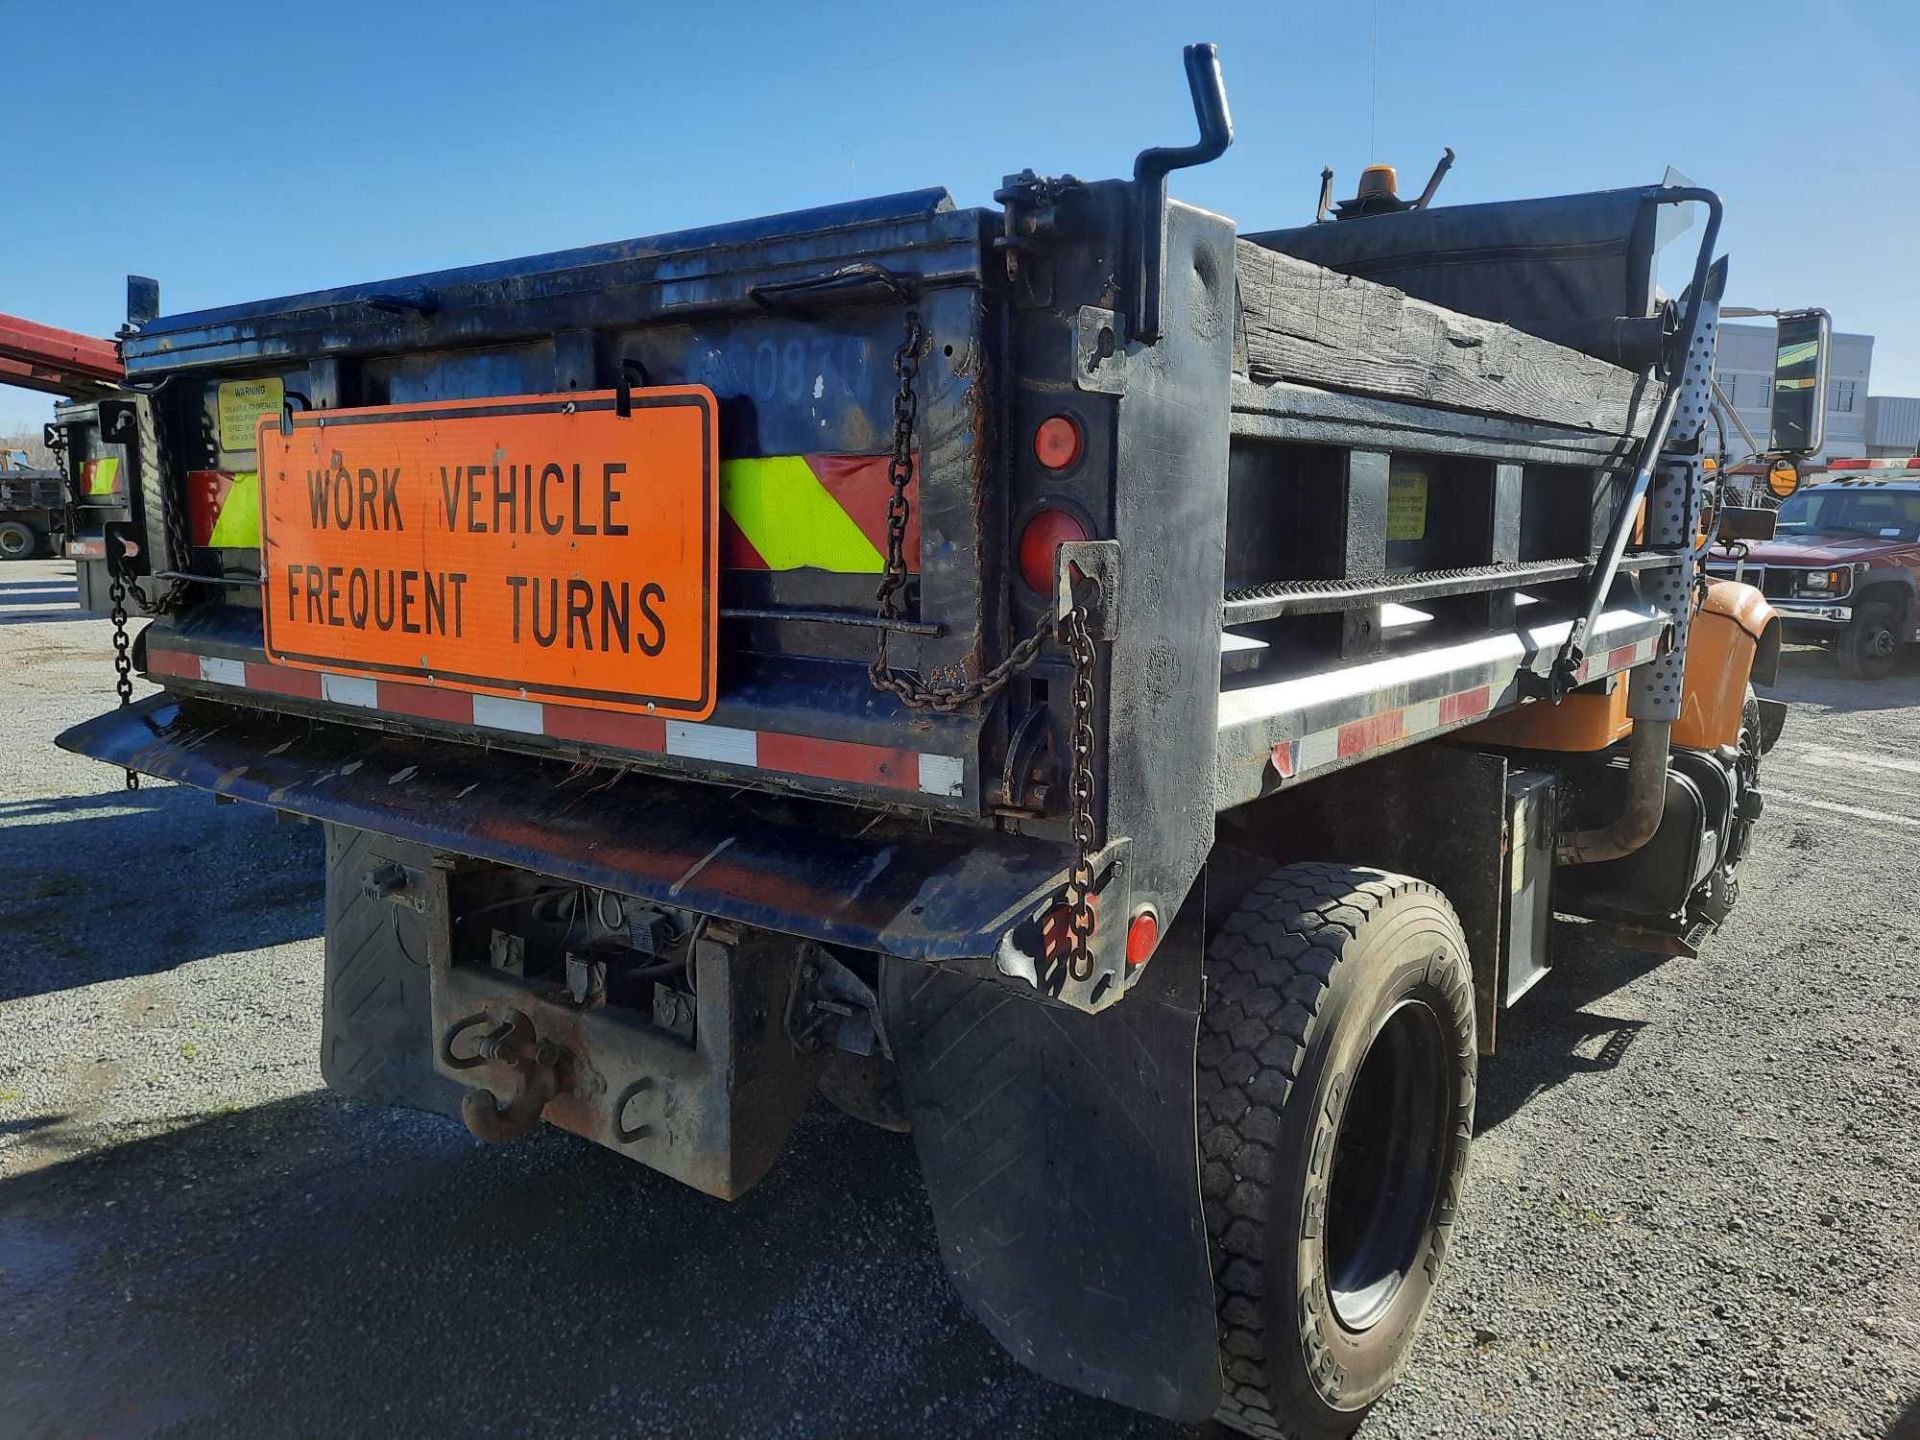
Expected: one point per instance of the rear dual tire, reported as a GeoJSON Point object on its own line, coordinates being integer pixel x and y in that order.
{"type": "Point", "coordinates": [18, 540]}
{"type": "Point", "coordinates": [1337, 1070]}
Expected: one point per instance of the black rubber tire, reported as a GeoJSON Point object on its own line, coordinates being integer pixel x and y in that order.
{"type": "Point", "coordinates": [1316, 964]}
{"type": "Point", "coordinates": [1870, 648]}
{"type": "Point", "coordinates": [18, 540]}
{"type": "Point", "coordinates": [1724, 893]}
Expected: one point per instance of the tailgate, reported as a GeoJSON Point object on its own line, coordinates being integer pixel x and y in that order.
{"type": "Point", "coordinates": [790, 323]}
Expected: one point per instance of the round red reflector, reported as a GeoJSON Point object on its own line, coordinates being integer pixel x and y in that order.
{"type": "Point", "coordinates": [1046, 533]}
{"type": "Point", "coordinates": [1142, 935]}
{"type": "Point", "coordinates": [1056, 444]}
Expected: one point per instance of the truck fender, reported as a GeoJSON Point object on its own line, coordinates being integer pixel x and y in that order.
{"type": "Point", "coordinates": [1734, 638]}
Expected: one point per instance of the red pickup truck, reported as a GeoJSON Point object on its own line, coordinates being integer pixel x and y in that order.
{"type": "Point", "coordinates": [1843, 568]}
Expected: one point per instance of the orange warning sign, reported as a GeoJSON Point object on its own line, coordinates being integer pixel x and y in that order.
{"type": "Point", "coordinates": [532, 546]}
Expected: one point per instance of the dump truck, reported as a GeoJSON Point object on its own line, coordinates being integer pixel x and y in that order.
{"type": "Point", "coordinates": [33, 506]}
{"type": "Point", "coordinates": [1117, 698]}
{"type": "Point", "coordinates": [96, 443]}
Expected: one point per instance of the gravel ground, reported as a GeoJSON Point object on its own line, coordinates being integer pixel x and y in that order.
{"type": "Point", "coordinates": [1690, 1213]}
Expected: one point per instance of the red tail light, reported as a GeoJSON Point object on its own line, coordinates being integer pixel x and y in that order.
{"type": "Point", "coordinates": [1057, 443]}
{"type": "Point", "coordinates": [1045, 533]}
{"type": "Point", "coordinates": [1142, 935]}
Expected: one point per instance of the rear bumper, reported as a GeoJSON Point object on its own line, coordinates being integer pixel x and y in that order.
{"type": "Point", "coordinates": [1811, 612]}
{"type": "Point", "coordinates": [833, 873]}
{"type": "Point", "coordinates": [810, 725]}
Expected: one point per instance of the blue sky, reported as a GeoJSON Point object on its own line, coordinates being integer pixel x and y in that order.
{"type": "Point", "coordinates": [238, 152]}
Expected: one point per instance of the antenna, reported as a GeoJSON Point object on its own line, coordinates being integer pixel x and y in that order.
{"type": "Point", "coordinates": [1373, 77]}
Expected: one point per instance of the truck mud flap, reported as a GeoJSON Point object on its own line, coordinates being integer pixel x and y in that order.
{"type": "Point", "coordinates": [376, 1021]}
{"type": "Point", "coordinates": [834, 873]}
{"type": "Point", "coordinates": [1060, 1157]}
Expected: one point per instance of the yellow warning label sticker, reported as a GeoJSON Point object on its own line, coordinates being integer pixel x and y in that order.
{"type": "Point", "coordinates": [1407, 505]}
{"type": "Point", "coordinates": [241, 404]}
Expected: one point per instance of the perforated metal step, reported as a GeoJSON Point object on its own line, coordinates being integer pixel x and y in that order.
{"type": "Point", "coordinates": [1310, 597]}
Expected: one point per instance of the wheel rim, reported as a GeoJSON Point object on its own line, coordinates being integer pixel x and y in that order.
{"type": "Point", "coordinates": [13, 544]}
{"type": "Point", "coordinates": [1880, 644]}
{"type": "Point", "coordinates": [1386, 1164]}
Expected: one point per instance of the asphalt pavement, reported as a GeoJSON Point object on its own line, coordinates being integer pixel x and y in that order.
{"type": "Point", "coordinates": [1693, 1207]}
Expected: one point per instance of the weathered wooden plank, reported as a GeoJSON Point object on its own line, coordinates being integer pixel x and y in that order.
{"type": "Point", "coordinates": [1304, 323]}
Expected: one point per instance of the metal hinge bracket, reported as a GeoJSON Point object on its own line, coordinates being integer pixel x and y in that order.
{"type": "Point", "coordinates": [1099, 351]}
{"type": "Point", "coordinates": [1087, 573]}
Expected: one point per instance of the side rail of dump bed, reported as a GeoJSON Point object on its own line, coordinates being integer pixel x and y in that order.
{"type": "Point", "coordinates": [1418, 503]}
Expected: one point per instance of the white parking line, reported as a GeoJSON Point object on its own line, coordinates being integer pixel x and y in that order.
{"type": "Point", "coordinates": [1858, 812]}
{"type": "Point", "coordinates": [1824, 757]}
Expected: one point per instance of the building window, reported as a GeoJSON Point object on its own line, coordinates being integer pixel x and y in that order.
{"type": "Point", "coordinates": [1840, 397]}
{"type": "Point", "coordinates": [1730, 386]}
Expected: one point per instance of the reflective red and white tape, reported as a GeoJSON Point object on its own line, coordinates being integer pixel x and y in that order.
{"type": "Point", "coordinates": [844, 760]}
{"type": "Point", "coordinates": [1390, 729]}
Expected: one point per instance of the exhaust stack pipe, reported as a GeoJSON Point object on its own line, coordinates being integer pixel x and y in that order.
{"type": "Point", "coordinates": [1647, 750]}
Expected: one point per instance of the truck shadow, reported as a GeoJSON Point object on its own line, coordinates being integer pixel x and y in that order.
{"type": "Point", "coordinates": [1553, 1036]}
{"type": "Point", "coordinates": [317, 1266]}
{"type": "Point", "coordinates": [102, 886]}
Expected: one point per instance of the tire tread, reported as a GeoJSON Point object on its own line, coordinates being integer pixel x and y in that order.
{"type": "Point", "coordinates": [1287, 938]}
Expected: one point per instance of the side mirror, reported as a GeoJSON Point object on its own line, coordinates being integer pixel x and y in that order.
{"type": "Point", "coordinates": [1739, 522]}
{"type": "Point", "coordinates": [1800, 386]}
{"type": "Point", "coordinates": [143, 301]}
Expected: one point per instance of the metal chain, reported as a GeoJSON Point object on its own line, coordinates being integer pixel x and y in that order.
{"type": "Point", "coordinates": [906, 411]}
{"type": "Point", "coordinates": [173, 517]}
{"type": "Point", "coordinates": [54, 437]}
{"type": "Point", "coordinates": [1086, 837]}
{"type": "Point", "coordinates": [912, 691]}
{"type": "Point", "coordinates": [916, 694]}
{"type": "Point", "coordinates": [150, 446]}
{"type": "Point", "coordinates": [122, 660]}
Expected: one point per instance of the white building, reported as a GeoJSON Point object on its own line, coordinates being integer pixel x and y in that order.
{"type": "Point", "coordinates": [1744, 368]}
{"type": "Point", "coordinates": [1893, 425]}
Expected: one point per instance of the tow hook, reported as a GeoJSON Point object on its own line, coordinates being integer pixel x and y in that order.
{"type": "Point", "coordinates": [510, 1044]}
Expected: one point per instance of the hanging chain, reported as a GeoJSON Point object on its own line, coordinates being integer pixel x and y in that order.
{"type": "Point", "coordinates": [1079, 642]}
{"type": "Point", "coordinates": [149, 444]}
{"type": "Point", "coordinates": [122, 661]}
{"type": "Point", "coordinates": [916, 694]}
{"type": "Point", "coordinates": [906, 411]}
{"type": "Point", "coordinates": [172, 515]}
{"type": "Point", "coordinates": [912, 691]}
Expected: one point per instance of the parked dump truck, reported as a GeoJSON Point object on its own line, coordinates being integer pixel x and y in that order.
{"type": "Point", "coordinates": [1116, 697]}
{"type": "Point", "coordinates": [96, 440]}
{"type": "Point", "coordinates": [33, 507]}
